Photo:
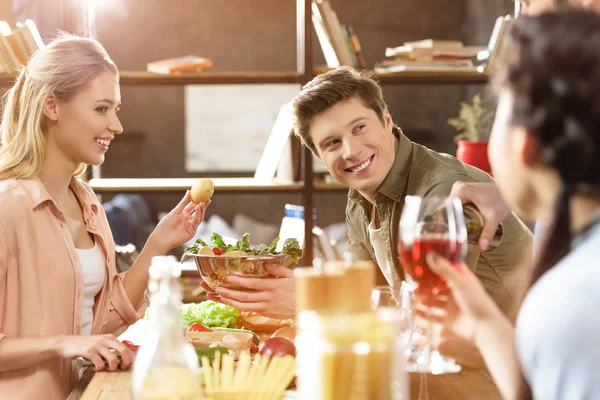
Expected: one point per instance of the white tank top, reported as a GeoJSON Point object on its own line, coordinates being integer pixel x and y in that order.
{"type": "Point", "coordinates": [381, 255]}
{"type": "Point", "coordinates": [94, 274]}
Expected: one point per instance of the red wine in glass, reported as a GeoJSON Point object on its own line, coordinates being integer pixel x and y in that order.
{"type": "Point", "coordinates": [414, 258]}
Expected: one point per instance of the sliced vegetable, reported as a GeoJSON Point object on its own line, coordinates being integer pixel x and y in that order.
{"type": "Point", "coordinates": [196, 327]}
{"type": "Point", "coordinates": [206, 250]}
{"type": "Point", "coordinates": [217, 251]}
{"type": "Point", "coordinates": [130, 345]}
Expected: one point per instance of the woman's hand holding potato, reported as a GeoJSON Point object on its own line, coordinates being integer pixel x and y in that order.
{"type": "Point", "coordinates": [180, 225]}
{"type": "Point", "coordinates": [202, 190]}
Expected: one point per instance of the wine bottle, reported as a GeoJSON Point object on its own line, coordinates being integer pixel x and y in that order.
{"type": "Point", "coordinates": [475, 223]}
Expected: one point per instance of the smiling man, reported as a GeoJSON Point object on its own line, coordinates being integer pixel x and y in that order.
{"type": "Point", "coordinates": [342, 117]}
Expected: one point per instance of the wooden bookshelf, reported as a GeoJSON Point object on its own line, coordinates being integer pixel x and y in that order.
{"type": "Point", "coordinates": [141, 78]}
{"type": "Point", "coordinates": [157, 185]}
{"type": "Point", "coordinates": [434, 77]}
{"type": "Point", "coordinates": [169, 185]}
{"type": "Point", "coordinates": [427, 77]}
{"type": "Point", "coordinates": [305, 71]}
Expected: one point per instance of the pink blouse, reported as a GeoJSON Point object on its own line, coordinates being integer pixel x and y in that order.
{"type": "Point", "coordinates": [41, 285]}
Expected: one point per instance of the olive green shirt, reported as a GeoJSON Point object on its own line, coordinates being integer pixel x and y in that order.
{"type": "Point", "coordinates": [422, 172]}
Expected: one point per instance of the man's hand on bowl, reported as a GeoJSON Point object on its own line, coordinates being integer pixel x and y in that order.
{"type": "Point", "coordinates": [271, 297]}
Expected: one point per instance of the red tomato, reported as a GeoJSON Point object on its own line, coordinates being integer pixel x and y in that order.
{"type": "Point", "coordinates": [196, 327]}
{"type": "Point", "coordinates": [132, 347]}
{"type": "Point", "coordinates": [277, 346]}
{"type": "Point", "coordinates": [218, 251]}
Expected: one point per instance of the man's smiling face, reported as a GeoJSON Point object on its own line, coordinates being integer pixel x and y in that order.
{"type": "Point", "coordinates": [356, 146]}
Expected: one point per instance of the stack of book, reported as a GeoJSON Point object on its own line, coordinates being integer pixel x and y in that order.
{"type": "Point", "coordinates": [339, 42]}
{"type": "Point", "coordinates": [17, 45]}
{"type": "Point", "coordinates": [179, 65]}
{"type": "Point", "coordinates": [429, 54]}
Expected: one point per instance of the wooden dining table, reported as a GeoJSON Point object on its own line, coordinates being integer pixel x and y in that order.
{"type": "Point", "coordinates": [469, 384]}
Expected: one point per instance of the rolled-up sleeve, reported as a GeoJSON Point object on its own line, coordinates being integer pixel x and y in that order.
{"type": "Point", "coordinates": [122, 313]}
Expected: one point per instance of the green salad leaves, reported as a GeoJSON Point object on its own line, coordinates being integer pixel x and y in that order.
{"type": "Point", "coordinates": [290, 247]}
{"type": "Point", "coordinates": [210, 314]}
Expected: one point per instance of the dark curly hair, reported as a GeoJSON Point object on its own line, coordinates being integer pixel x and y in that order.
{"type": "Point", "coordinates": [551, 65]}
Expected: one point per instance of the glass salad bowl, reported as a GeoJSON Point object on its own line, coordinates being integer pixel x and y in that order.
{"type": "Point", "coordinates": [214, 269]}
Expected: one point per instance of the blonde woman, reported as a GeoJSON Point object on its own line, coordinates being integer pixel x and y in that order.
{"type": "Point", "coordinates": [60, 294]}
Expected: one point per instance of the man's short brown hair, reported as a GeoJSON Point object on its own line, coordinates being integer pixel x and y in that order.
{"type": "Point", "coordinates": [330, 88]}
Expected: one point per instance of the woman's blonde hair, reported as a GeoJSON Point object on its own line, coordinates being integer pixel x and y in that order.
{"type": "Point", "coordinates": [61, 68]}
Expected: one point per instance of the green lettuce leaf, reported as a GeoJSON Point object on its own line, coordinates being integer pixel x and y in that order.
{"type": "Point", "coordinates": [218, 241]}
{"type": "Point", "coordinates": [201, 242]}
{"type": "Point", "coordinates": [273, 246]}
{"type": "Point", "coordinates": [210, 314]}
{"type": "Point", "coordinates": [292, 248]}
{"type": "Point", "coordinates": [244, 242]}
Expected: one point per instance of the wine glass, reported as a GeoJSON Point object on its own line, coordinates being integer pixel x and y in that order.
{"type": "Point", "coordinates": [434, 224]}
{"type": "Point", "coordinates": [383, 296]}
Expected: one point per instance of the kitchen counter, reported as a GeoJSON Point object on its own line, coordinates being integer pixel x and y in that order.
{"type": "Point", "coordinates": [469, 384]}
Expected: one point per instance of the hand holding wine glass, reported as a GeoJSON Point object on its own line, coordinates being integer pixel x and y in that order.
{"type": "Point", "coordinates": [431, 225]}
{"type": "Point", "coordinates": [466, 304]}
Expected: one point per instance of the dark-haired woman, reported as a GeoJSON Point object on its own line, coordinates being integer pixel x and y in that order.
{"type": "Point", "coordinates": [545, 152]}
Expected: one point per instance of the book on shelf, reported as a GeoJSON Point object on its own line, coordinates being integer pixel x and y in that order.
{"type": "Point", "coordinates": [423, 67]}
{"type": "Point", "coordinates": [177, 65]}
{"type": "Point", "coordinates": [425, 63]}
{"type": "Point", "coordinates": [29, 36]}
{"type": "Point", "coordinates": [331, 57]}
{"type": "Point", "coordinates": [411, 51]}
{"type": "Point", "coordinates": [432, 55]}
{"type": "Point", "coordinates": [332, 35]}
{"type": "Point", "coordinates": [500, 27]}
{"type": "Point", "coordinates": [430, 43]}
{"type": "Point", "coordinates": [348, 45]}
{"type": "Point", "coordinates": [362, 63]}
{"type": "Point", "coordinates": [17, 45]}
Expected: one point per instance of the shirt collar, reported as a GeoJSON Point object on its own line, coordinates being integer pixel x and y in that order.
{"type": "Point", "coordinates": [394, 184]}
{"type": "Point", "coordinates": [35, 189]}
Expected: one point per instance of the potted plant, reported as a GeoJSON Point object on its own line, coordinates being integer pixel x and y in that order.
{"type": "Point", "coordinates": [471, 124]}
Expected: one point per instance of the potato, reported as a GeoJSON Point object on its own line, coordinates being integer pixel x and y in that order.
{"type": "Point", "coordinates": [235, 253]}
{"type": "Point", "coordinates": [202, 190]}
{"type": "Point", "coordinates": [207, 251]}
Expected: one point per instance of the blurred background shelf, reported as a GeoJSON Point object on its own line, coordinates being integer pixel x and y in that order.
{"type": "Point", "coordinates": [131, 185]}
{"type": "Point", "coordinates": [169, 185]}
{"type": "Point", "coordinates": [141, 78]}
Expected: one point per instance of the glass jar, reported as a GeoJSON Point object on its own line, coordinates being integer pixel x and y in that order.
{"type": "Point", "coordinates": [351, 356]}
{"type": "Point", "coordinates": [166, 366]}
